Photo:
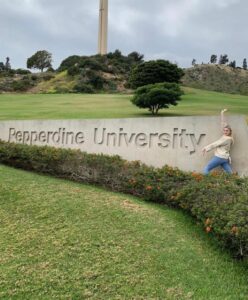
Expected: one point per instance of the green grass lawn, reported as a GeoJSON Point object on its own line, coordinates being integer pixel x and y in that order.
{"type": "Point", "coordinates": [76, 106]}
{"type": "Point", "coordinates": [63, 240]}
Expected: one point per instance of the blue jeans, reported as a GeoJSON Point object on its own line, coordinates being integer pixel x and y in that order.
{"type": "Point", "coordinates": [216, 162]}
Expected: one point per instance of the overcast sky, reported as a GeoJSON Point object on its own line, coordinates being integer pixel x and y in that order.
{"type": "Point", "coordinates": [177, 30]}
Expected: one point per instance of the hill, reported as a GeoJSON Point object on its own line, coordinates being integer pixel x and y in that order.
{"type": "Point", "coordinates": [219, 78]}
{"type": "Point", "coordinates": [110, 74]}
{"type": "Point", "coordinates": [76, 74]}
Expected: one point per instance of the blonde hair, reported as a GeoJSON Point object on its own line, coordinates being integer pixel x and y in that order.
{"type": "Point", "coordinates": [228, 127]}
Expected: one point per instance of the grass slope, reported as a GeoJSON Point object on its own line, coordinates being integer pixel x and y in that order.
{"type": "Point", "coordinates": [221, 78]}
{"type": "Point", "coordinates": [75, 106]}
{"type": "Point", "coordinates": [65, 240]}
{"type": "Point", "coordinates": [60, 82]}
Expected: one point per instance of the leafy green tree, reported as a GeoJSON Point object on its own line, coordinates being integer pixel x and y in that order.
{"type": "Point", "coordinates": [2, 66]}
{"type": "Point", "coordinates": [193, 62]}
{"type": "Point", "coordinates": [157, 96]}
{"type": "Point", "coordinates": [7, 64]}
{"type": "Point", "coordinates": [213, 59]}
{"type": "Point", "coordinates": [115, 55]}
{"type": "Point", "coordinates": [69, 62]}
{"type": "Point", "coordinates": [223, 59]}
{"type": "Point", "coordinates": [40, 60]}
{"type": "Point", "coordinates": [245, 64]}
{"type": "Point", "coordinates": [136, 56]}
{"type": "Point", "coordinates": [232, 64]}
{"type": "Point", "coordinates": [154, 71]}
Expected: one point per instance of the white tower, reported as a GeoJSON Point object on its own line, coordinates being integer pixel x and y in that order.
{"type": "Point", "coordinates": [103, 27]}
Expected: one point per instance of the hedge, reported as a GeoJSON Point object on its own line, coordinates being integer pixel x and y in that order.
{"type": "Point", "coordinates": [217, 201]}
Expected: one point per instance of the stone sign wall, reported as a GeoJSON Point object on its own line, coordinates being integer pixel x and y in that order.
{"type": "Point", "coordinates": [155, 141]}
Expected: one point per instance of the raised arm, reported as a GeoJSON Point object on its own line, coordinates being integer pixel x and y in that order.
{"type": "Point", "coordinates": [223, 118]}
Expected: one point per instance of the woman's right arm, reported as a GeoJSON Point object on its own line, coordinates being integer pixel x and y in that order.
{"type": "Point", "coordinates": [223, 118]}
{"type": "Point", "coordinates": [216, 144]}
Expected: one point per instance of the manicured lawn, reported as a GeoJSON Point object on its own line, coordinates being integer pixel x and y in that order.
{"type": "Point", "coordinates": [75, 106]}
{"type": "Point", "coordinates": [62, 240]}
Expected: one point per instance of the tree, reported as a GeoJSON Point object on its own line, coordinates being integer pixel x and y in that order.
{"type": "Point", "coordinates": [193, 62]}
{"type": "Point", "coordinates": [245, 64]}
{"type": "Point", "coordinates": [117, 54]}
{"type": "Point", "coordinates": [154, 71]}
{"type": "Point", "coordinates": [136, 56]}
{"type": "Point", "coordinates": [7, 64]}
{"type": "Point", "coordinates": [2, 66]}
{"type": "Point", "coordinates": [69, 62]}
{"type": "Point", "coordinates": [220, 59]}
{"type": "Point", "coordinates": [223, 59]}
{"type": "Point", "coordinates": [213, 59]}
{"type": "Point", "coordinates": [40, 60]}
{"type": "Point", "coordinates": [232, 64]}
{"type": "Point", "coordinates": [157, 96]}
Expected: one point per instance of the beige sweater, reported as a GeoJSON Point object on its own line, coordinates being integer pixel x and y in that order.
{"type": "Point", "coordinates": [222, 147]}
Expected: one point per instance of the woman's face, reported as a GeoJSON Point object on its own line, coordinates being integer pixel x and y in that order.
{"type": "Point", "coordinates": [227, 131]}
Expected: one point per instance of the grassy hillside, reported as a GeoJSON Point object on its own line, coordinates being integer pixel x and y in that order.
{"type": "Point", "coordinates": [64, 240]}
{"type": "Point", "coordinates": [111, 73]}
{"type": "Point", "coordinates": [58, 82]}
{"type": "Point", "coordinates": [76, 74]}
{"type": "Point", "coordinates": [76, 106]}
{"type": "Point", "coordinates": [63, 83]}
{"type": "Point", "coordinates": [217, 78]}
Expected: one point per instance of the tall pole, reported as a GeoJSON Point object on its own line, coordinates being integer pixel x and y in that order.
{"type": "Point", "coordinates": [103, 27]}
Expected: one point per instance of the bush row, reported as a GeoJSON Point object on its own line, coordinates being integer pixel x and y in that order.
{"type": "Point", "coordinates": [218, 202]}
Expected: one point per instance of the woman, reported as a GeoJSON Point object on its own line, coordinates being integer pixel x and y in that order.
{"type": "Point", "coordinates": [222, 149]}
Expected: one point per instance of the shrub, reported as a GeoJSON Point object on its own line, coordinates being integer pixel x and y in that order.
{"type": "Point", "coordinates": [81, 87]}
{"type": "Point", "coordinates": [21, 85]}
{"type": "Point", "coordinates": [70, 61]}
{"type": "Point", "coordinates": [97, 82]}
{"type": "Point", "coordinates": [219, 202]}
{"type": "Point", "coordinates": [92, 64]}
{"type": "Point", "coordinates": [157, 96]}
{"type": "Point", "coordinates": [22, 71]}
{"type": "Point", "coordinates": [34, 77]}
{"type": "Point", "coordinates": [61, 89]}
{"type": "Point", "coordinates": [7, 73]}
{"type": "Point", "coordinates": [74, 70]}
{"type": "Point", "coordinates": [111, 85]}
{"type": "Point", "coordinates": [47, 76]}
{"type": "Point", "coordinates": [94, 79]}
